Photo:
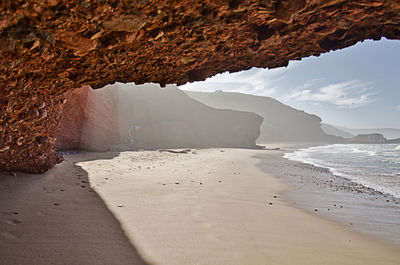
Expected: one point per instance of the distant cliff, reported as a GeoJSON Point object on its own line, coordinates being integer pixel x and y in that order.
{"type": "Point", "coordinates": [334, 130]}
{"type": "Point", "coordinates": [129, 117]}
{"type": "Point", "coordinates": [389, 133]}
{"type": "Point", "coordinates": [372, 138]}
{"type": "Point", "coordinates": [368, 138]}
{"type": "Point", "coordinates": [281, 122]}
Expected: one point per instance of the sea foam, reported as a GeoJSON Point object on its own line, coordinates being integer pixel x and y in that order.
{"type": "Point", "coordinates": [373, 165]}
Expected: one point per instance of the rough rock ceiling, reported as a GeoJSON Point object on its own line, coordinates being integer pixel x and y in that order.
{"type": "Point", "coordinates": [49, 47]}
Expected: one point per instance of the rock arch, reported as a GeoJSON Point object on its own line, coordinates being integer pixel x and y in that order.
{"type": "Point", "coordinates": [50, 47]}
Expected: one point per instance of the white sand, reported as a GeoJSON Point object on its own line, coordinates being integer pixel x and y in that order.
{"type": "Point", "coordinates": [132, 218]}
{"type": "Point", "coordinates": [227, 222]}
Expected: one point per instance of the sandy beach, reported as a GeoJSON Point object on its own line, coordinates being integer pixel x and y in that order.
{"type": "Point", "coordinates": [212, 206]}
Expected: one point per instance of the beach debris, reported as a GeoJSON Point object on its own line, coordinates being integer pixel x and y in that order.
{"type": "Point", "coordinates": [272, 149]}
{"type": "Point", "coordinates": [185, 151]}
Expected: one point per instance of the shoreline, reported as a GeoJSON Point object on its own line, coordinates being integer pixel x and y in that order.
{"type": "Point", "coordinates": [317, 190]}
{"type": "Point", "coordinates": [210, 206]}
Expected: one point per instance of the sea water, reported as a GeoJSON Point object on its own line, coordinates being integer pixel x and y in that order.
{"type": "Point", "coordinates": [376, 166]}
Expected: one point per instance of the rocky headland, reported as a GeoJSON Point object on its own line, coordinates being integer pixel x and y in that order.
{"type": "Point", "coordinates": [282, 123]}
{"type": "Point", "coordinates": [372, 138]}
{"type": "Point", "coordinates": [129, 117]}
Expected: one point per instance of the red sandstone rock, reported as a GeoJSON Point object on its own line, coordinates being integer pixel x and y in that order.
{"type": "Point", "coordinates": [49, 47]}
{"type": "Point", "coordinates": [73, 117]}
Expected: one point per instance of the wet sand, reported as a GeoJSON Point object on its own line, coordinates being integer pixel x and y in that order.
{"type": "Point", "coordinates": [318, 191]}
{"type": "Point", "coordinates": [209, 207]}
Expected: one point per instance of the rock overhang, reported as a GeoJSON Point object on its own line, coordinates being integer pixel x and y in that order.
{"type": "Point", "coordinates": [51, 47]}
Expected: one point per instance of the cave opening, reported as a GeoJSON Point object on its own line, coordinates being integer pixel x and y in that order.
{"type": "Point", "coordinates": [334, 89]}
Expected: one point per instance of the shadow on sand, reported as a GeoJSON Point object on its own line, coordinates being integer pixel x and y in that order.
{"type": "Point", "coordinates": [56, 218]}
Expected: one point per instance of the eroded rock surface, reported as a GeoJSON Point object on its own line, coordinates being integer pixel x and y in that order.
{"type": "Point", "coordinates": [49, 47]}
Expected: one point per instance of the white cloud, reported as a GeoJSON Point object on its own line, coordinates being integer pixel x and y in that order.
{"type": "Point", "coordinates": [349, 94]}
{"type": "Point", "coordinates": [255, 81]}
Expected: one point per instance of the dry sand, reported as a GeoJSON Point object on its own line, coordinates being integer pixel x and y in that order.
{"type": "Point", "coordinates": [211, 207]}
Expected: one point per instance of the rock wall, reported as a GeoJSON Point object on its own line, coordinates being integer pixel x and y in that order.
{"type": "Point", "coordinates": [281, 122]}
{"type": "Point", "coordinates": [89, 120]}
{"type": "Point", "coordinates": [129, 117]}
{"type": "Point", "coordinates": [49, 47]}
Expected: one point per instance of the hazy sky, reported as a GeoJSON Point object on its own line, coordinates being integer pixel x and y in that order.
{"type": "Point", "coordinates": [357, 87]}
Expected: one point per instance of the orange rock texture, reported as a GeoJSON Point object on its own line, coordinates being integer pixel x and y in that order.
{"type": "Point", "coordinates": [49, 47]}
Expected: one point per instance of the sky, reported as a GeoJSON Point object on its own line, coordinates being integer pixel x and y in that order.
{"type": "Point", "coordinates": [356, 87]}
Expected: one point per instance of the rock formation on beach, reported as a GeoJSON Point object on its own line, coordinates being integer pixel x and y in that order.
{"type": "Point", "coordinates": [129, 117]}
{"type": "Point", "coordinates": [50, 47]}
{"type": "Point", "coordinates": [281, 122]}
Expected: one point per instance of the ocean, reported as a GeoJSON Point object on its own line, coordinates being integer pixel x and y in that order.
{"type": "Point", "coordinates": [376, 166]}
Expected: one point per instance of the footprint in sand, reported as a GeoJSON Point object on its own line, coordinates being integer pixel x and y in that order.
{"type": "Point", "coordinates": [13, 221]}
{"type": "Point", "coordinates": [10, 213]}
{"type": "Point", "coordinates": [6, 235]}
